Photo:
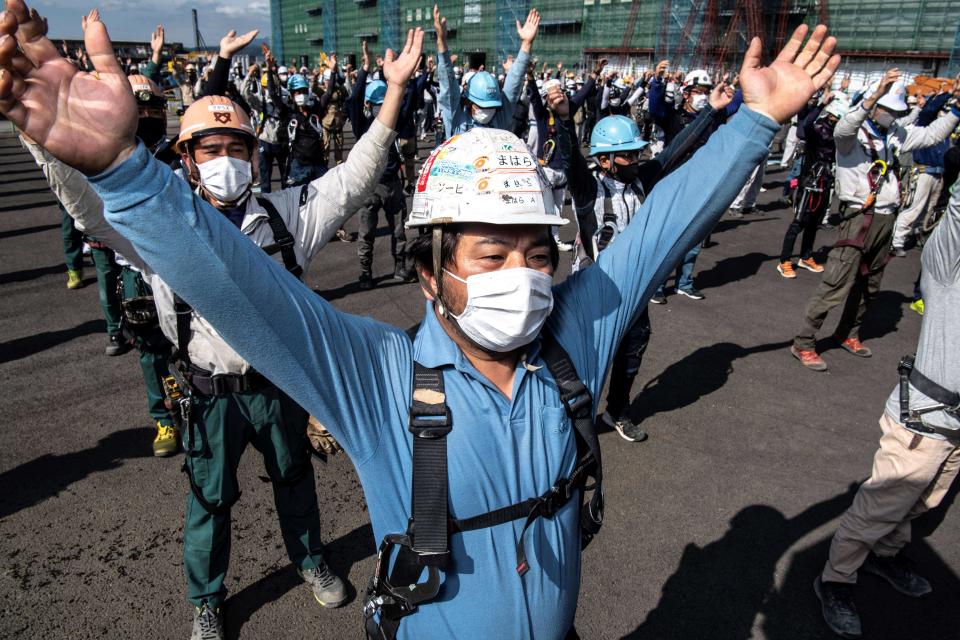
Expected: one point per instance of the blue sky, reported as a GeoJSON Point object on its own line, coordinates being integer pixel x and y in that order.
{"type": "Point", "coordinates": [135, 20]}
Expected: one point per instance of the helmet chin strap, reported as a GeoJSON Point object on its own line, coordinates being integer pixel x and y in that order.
{"type": "Point", "coordinates": [436, 243]}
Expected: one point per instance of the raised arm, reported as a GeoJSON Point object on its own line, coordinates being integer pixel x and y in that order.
{"type": "Point", "coordinates": [594, 307]}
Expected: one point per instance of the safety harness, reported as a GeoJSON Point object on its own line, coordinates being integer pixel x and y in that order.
{"type": "Point", "coordinates": [609, 228]}
{"type": "Point", "coordinates": [187, 379]}
{"type": "Point", "coordinates": [913, 418]}
{"type": "Point", "coordinates": [397, 593]}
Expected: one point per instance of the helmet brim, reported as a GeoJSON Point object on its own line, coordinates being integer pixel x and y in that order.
{"type": "Point", "coordinates": [521, 219]}
{"type": "Point", "coordinates": [619, 148]}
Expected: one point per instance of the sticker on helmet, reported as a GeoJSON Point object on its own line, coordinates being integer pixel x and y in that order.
{"type": "Point", "coordinates": [220, 107]}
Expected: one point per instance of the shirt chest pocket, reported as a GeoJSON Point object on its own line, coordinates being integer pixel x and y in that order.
{"type": "Point", "coordinates": [554, 420]}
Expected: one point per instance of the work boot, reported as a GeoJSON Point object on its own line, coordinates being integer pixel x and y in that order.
{"type": "Point", "coordinates": [401, 273]}
{"type": "Point", "coordinates": [839, 612]}
{"type": "Point", "coordinates": [809, 358]}
{"type": "Point", "coordinates": [74, 279]}
{"type": "Point", "coordinates": [693, 293]}
{"type": "Point", "coordinates": [116, 345]}
{"type": "Point", "coordinates": [207, 624]}
{"type": "Point", "coordinates": [786, 269]}
{"type": "Point", "coordinates": [854, 346]}
{"type": "Point", "coordinates": [627, 428]}
{"type": "Point", "coordinates": [165, 444]}
{"type": "Point", "coordinates": [366, 281]}
{"type": "Point", "coordinates": [898, 571]}
{"type": "Point", "coordinates": [327, 587]}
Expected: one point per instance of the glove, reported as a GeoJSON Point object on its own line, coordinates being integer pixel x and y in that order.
{"type": "Point", "coordinates": [320, 439]}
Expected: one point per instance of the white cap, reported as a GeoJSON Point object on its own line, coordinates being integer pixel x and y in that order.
{"type": "Point", "coordinates": [895, 99]}
{"type": "Point", "coordinates": [485, 175]}
{"type": "Point", "coordinates": [698, 77]}
{"type": "Point", "coordinates": [282, 70]}
{"type": "Point", "coordinates": [838, 107]}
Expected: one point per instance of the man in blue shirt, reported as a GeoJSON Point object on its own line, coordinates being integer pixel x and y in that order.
{"type": "Point", "coordinates": [483, 103]}
{"type": "Point", "coordinates": [490, 243]}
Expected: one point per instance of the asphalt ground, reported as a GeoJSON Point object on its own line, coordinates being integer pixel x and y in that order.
{"type": "Point", "coordinates": [715, 527]}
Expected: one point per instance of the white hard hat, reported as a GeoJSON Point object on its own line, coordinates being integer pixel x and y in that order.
{"type": "Point", "coordinates": [485, 175]}
{"type": "Point", "coordinates": [697, 78]}
{"type": "Point", "coordinates": [838, 107]}
{"type": "Point", "coordinates": [895, 99]}
{"type": "Point", "coordinates": [281, 70]}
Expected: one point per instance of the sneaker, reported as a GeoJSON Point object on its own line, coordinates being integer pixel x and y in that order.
{"type": "Point", "coordinates": [165, 444]}
{"type": "Point", "coordinates": [854, 346]}
{"type": "Point", "coordinates": [736, 214]}
{"type": "Point", "coordinates": [786, 269]}
{"type": "Point", "coordinates": [207, 624]}
{"type": "Point", "coordinates": [693, 293]}
{"type": "Point", "coordinates": [366, 281]}
{"type": "Point", "coordinates": [917, 305]}
{"type": "Point", "coordinates": [748, 211]}
{"type": "Point", "coordinates": [839, 612]}
{"type": "Point", "coordinates": [328, 588]}
{"type": "Point", "coordinates": [809, 358]}
{"type": "Point", "coordinates": [627, 428]}
{"type": "Point", "coordinates": [659, 298]}
{"type": "Point", "coordinates": [74, 279]}
{"type": "Point", "coordinates": [810, 265]}
{"type": "Point", "coordinates": [898, 252]}
{"type": "Point", "coordinates": [898, 571]}
{"type": "Point", "coordinates": [564, 246]}
{"type": "Point", "coordinates": [116, 346]}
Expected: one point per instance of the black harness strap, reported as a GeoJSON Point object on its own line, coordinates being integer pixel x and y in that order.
{"type": "Point", "coordinates": [913, 418]}
{"type": "Point", "coordinates": [281, 236]}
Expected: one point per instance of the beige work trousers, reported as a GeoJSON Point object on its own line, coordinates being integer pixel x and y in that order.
{"type": "Point", "coordinates": [911, 474]}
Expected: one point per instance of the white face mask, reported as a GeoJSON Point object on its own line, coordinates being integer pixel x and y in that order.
{"type": "Point", "coordinates": [300, 99]}
{"type": "Point", "coordinates": [699, 101]}
{"type": "Point", "coordinates": [226, 179]}
{"type": "Point", "coordinates": [484, 115]}
{"type": "Point", "coordinates": [884, 119]}
{"type": "Point", "coordinates": [505, 309]}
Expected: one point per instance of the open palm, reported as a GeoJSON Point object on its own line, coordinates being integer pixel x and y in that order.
{"type": "Point", "coordinates": [87, 120]}
{"type": "Point", "coordinates": [398, 69]}
{"type": "Point", "coordinates": [781, 89]}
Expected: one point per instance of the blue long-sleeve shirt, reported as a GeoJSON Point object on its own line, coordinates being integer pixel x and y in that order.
{"type": "Point", "coordinates": [932, 157]}
{"type": "Point", "coordinates": [355, 374]}
{"type": "Point", "coordinates": [456, 115]}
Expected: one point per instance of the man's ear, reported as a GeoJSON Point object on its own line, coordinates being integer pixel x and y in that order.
{"type": "Point", "coordinates": [428, 284]}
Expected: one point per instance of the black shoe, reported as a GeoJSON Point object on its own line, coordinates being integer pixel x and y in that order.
{"type": "Point", "coordinates": [839, 612]}
{"type": "Point", "coordinates": [692, 293]}
{"type": "Point", "coordinates": [366, 281]}
{"type": "Point", "coordinates": [408, 190]}
{"type": "Point", "coordinates": [627, 428]}
{"type": "Point", "coordinates": [659, 298]}
{"type": "Point", "coordinates": [116, 346]}
{"type": "Point", "coordinates": [898, 571]}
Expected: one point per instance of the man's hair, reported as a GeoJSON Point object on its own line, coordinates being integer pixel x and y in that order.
{"type": "Point", "coordinates": [420, 249]}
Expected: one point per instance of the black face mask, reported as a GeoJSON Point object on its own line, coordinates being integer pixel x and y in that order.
{"type": "Point", "coordinates": [625, 173]}
{"type": "Point", "coordinates": [151, 130]}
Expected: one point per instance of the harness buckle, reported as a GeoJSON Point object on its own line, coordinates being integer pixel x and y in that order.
{"type": "Point", "coordinates": [405, 597]}
{"type": "Point", "coordinates": [554, 499]}
{"type": "Point", "coordinates": [430, 425]}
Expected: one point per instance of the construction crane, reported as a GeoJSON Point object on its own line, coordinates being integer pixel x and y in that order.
{"type": "Point", "coordinates": [197, 36]}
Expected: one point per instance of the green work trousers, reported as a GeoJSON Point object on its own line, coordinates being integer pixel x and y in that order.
{"type": "Point", "coordinates": [154, 351]}
{"type": "Point", "coordinates": [221, 428]}
{"type": "Point", "coordinates": [844, 282]}
{"type": "Point", "coordinates": [72, 241]}
{"type": "Point", "coordinates": [108, 272]}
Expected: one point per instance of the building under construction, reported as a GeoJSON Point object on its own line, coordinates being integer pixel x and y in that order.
{"type": "Point", "coordinates": [920, 36]}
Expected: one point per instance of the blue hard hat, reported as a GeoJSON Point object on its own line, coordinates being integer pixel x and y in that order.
{"type": "Point", "coordinates": [375, 91]}
{"type": "Point", "coordinates": [296, 81]}
{"type": "Point", "coordinates": [614, 134]}
{"type": "Point", "coordinates": [483, 90]}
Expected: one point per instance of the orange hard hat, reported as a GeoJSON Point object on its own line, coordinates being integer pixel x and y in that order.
{"type": "Point", "coordinates": [212, 115]}
{"type": "Point", "coordinates": [146, 91]}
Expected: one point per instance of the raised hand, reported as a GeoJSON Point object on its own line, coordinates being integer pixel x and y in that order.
{"type": "Point", "coordinates": [231, 43]}
{"type": "Point", "coordinates": [331, 62]}
{"type": "Point", "coordinates": [783, 88]}
{"type": "Point", "coordinates": [598, 69]}
{"type": "Point", "coordinates": [156, 43]}
{"type": "Point", "coordinates": [87, 120]}
{"type": "Point", "coordinates": [721, 96]}
{"type": "Point", "coordinates": [528, 32]}
{"type": "Point", "coordinates": [398, 69]}
{"type": "Point", "coordinates": [508, 63]}
{"type": "Point", "coordinates": [558, 103]}
{"type": "Point", "coordinates": [440, 26]}
{"type": "Point", "coordinates": [661, 68]}
{"type": "Point", "coordinates": [365, 55]}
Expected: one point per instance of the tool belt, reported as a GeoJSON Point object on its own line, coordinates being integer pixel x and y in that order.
{"type": "Point", "coordinates": [913, 418]}
{"type": "Point", "coordinates": [139, 316]}
{"type": "Point", "coordinates": [207, 384]}
{"type": "Point", "coordinates": [393, 595]}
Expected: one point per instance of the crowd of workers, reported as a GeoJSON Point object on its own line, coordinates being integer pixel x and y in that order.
{"type": "Point", "coordinates": [452, 419]}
